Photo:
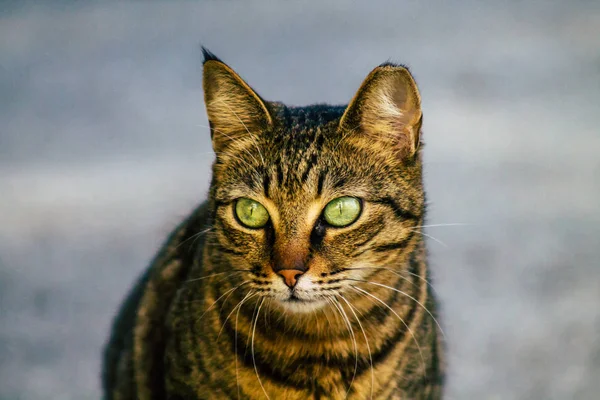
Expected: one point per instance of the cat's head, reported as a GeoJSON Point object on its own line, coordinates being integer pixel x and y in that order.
{"type": "Point", "coordinates": [307, 200]}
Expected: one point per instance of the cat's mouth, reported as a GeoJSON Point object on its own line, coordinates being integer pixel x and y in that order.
{"type": "Point", "coordinates": [295, 299]}
{"type": "Point", "coordinates": [303, 297]}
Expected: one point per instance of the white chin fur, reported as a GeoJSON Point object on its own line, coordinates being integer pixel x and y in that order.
{"type": "Point", "coordinates": [302, 306]}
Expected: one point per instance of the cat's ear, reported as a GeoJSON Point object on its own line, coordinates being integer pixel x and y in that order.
{"type": "Point", "coordinates": [387, 107]}
{"type": "Point", "coordinates": [234, 109]}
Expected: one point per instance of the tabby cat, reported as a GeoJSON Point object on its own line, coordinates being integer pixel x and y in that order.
{"type": "Point", "coordinates": [304, 274]}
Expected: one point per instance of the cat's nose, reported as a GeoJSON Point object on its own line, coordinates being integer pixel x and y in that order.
{"type": "Point", "coordinates": [290, 276]}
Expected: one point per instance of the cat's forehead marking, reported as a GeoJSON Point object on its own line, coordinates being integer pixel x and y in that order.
{"type": "Point", "coordinates": [295, 212]}
{"type": "Point", "coordinates": [297, 218]}
{"type": "Point", "coordinates": [296, 149]}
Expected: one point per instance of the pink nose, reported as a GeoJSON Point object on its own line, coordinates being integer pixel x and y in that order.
{"type": "Point", "coordinates": [290, 276]}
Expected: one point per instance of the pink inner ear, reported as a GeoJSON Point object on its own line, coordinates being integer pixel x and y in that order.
{"type": "Point", "coordinates": [387, 107]}
{"type": "Point", "coordinates": [399, 97]}
{"type": "Point", "coordinates": [398, 91]}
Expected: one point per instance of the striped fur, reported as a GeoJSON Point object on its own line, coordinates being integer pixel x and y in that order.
{"type": "Point", "coordinates": [211, 320]}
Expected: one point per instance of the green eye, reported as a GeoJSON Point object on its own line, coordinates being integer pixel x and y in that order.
{"type": "Point", "coordinates": [342, 211]}
{"type": "Point", "coordinates": [251, 213]}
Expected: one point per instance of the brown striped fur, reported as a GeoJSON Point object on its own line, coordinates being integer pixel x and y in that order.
{"type": "Point", "coordinates": [211, 320]}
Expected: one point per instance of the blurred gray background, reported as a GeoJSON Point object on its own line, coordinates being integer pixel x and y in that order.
{"type": "Point", "coordinates": [104, 148]}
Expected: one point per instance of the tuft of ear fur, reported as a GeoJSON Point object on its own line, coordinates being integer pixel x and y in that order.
{"type": "Point", "coordinates": [209, 56]}
{"type": "Point", "coordinates": [234, 110]}
{"type": "Point", "coordinates": [387, 107]}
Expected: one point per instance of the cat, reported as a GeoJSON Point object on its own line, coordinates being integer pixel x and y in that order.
{"type": "Point", "coordinates": [304, 274]}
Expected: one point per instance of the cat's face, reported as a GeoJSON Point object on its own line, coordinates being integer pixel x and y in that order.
{"type": "Point", "coordinates": [306, 201]}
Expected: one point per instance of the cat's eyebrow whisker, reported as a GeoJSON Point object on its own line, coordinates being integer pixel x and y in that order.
{"type": "Point", "coordinates": [429, 236]}
{"type": "Point", "coordinates": [253, 359]}
{"type": "Point", "coordinates": [345, 318]}
{"type": "Point", "coordinates": [366, 342]}
{"type": "Point", "coordinates": [405, 294]}
{"type": "Point", "coordinates": [401, 320]}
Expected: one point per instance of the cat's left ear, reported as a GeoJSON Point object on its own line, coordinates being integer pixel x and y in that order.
{"type": "Point", "coordinates": [234, 110]}
{"type": "Point", "coordinates": [387, 107]}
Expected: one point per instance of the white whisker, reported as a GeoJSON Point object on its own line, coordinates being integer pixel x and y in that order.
{"type": "Point", "coordinates": [366, 342]}
{"type": "Point", "coordinates": [253, 359]}
{"type": "Point", "coordinates": [401, 320]}
{"type": "Point", "coordinates": [430, 237]}
{"type": "Point", "coordinates": [399, 273]}
{"type": "Point", "coordinates": [237, 315]}
{"type": "Point", "coordinates": [251, 322]}
{"type": "Point", "coordinates": [405, 294]}
{"type": "Point", "coordinates": [220, 297]}
{"type": "Point", "coordinates": [216, 274]}
{"type": "Point", "coordinates": [351, 331]}
{"type": "Point", "coordinates": [439, 225]}
{"type": "Point", "coordinates": [233, 310]}
{"type": "Point", "coordinates": [194, 236]}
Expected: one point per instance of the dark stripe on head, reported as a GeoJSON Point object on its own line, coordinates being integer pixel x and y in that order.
{"type": "Point", "coordinates": [398, 211]}
{"type": "Point", "coordinates": [339, 183]}
{"type": "Point", "coordinates": [376, 227]}
{"type": "Point", "coordinates": [393, 246]}
{"type": "Point", "coordinates": [320, 182]}
{"type": "Point", "coordinates": [310, 164]}
{"type": "Point", "coordinates": [279, 173]}
{"type": "Point", "coordinates": [388, 246]}
{"type": "Point", "coordinates": [225, 248]}
{"type": "Point", "coordinates": [266, 183]}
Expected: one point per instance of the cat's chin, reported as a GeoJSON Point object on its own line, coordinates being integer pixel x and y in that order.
{"type": "Point", "coordinates": [297, 305]}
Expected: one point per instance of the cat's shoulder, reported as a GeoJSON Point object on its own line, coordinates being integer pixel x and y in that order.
{"type": "Point", "coordinates": [148, 302]}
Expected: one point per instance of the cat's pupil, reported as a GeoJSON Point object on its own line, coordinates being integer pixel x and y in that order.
{"type": "Point", "coordinates": [318, 233]}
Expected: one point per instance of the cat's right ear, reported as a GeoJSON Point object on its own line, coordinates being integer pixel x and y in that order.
{"type": "Point", "coordinates": [234, 109]}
